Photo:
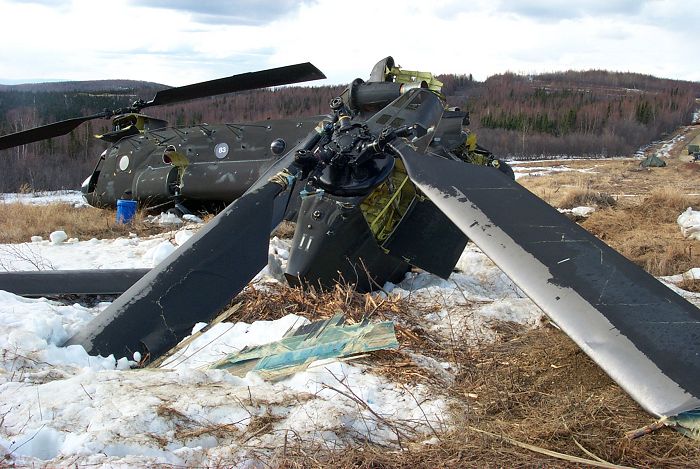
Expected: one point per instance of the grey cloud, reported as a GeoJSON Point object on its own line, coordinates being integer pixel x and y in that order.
{"type": "Point", "coordinates": [234, 12]}
{"type": "Point", "coordinates": [555, 10]}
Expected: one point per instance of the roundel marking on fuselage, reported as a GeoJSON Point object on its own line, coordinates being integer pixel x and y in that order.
{"type": "Point", "coordinates": [221, 150]}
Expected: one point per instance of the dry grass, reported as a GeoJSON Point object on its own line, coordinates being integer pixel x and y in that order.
{"type": "Point", "coordinates": [273, 301]}
{"type": "Point", "coordinates": [187, 428]}
{"type": "Point", "coordinates": [611, 177]}
{"type": "Point", "coordinates": [647, 233]}
{"type": "Point", "coordinates": [537, 388]}
{"type": "Point", "coordinates": [641, 222]}
{"type": "Point", "coordinates": [584, 195]}
{"type": "Point", "coordinates": [20, 222]}
{"type": "Point", "coordinates": [618, 177]}
{"type": "Point", "coordinates": [285, 230]}
{"type": "Point", "coordinates": [690, 285]}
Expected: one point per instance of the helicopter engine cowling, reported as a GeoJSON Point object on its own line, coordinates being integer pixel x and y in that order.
{"type": "Point", "coordinates": [373, 96]}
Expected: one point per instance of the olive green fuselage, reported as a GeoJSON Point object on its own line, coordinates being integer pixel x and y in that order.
{"type": "Point", "coordinates": [200, 164]}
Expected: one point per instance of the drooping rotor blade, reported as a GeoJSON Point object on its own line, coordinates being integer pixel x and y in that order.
{"type": "Point", "coordinates": [70, 282]}
{"type": "Point", "coordinates": [242, 82]}
{"type": "Point", "coordinates": [191, 285]}
{"type": "Point", "coordinates": [645, 336]}
{"type": "Point", "coordinates": [45, 131]}
{"type": "Point", "coordinates": [201, 277]}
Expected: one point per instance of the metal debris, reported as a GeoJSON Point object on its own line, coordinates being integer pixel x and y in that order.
{"type": "Point", "coordinates": [330, 338]}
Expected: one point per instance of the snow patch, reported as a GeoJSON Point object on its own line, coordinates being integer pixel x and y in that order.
{"type": "Point", "coordinates": [74, 198]}
{"type": "Point", "coordinates": [689, 221]}
{"type": "Point", "coordinates": [578, 211]}
{"type": "Point", "coordinates": [57, 237]}
{"type": "Point", "coordinates": [63, 406]}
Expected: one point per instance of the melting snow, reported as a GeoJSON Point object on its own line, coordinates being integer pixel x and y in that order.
{"type": "Point", "coordinates": [522, 168]}
{"type": "Point", "coordinates": [63, 407]}
{"type": "Point", "coordinates": [74, 198]}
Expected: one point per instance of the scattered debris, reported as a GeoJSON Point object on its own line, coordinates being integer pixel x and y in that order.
{"type": "Point", "coordinates": [688, 423]}
{"type": "Point", "coordinates": [164, 219]}
{"type": "Point", "coordinates": [319, 340]}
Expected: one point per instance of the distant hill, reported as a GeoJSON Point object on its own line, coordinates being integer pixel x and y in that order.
{"type": "Point", "coordinates": [91, 85]}
{"type": "Point", "coordinates": [518, 116]}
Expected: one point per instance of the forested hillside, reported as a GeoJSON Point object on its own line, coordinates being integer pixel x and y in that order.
{"type": "Point", "coordinates": [569, 113]}
{"type": "Point", "coordinates": [575, 113]}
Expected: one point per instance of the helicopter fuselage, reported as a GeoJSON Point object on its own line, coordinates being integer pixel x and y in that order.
{"type": "Point", "coordinates": [200, 164]}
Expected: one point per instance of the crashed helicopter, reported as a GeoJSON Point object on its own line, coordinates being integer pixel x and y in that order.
{"type": "Point", "coordinates": [184, 167]}
{"type": "Point", "coordinates": [383, 183]}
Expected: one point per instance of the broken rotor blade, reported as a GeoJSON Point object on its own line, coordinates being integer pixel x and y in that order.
{"type": "Point", "coordinates": [241, 82]}
{"type": "Point", "coordinates": [43, 132]}
{"type": "Point", "coordinates": [70, 282]}
{"type": "Point", "coordinates": [191, 285]}
{"type": "Point", "coordinates": [645, 336]}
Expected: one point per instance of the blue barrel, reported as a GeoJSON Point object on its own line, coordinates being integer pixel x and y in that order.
{"type": "Point", "coordinates": [126, 209]}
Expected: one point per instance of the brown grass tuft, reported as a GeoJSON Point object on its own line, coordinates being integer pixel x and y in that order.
{"type": "Point", "coordinates": [692, 168]}
{"type": "Point", "coordinates": [586, 197]}
{"type": "Point", "coordinates": [285, 230]}
{"type": "Point", "coordinates": [669, 200]}
{"type": "Point", "coordinates": [20, 222]}
{"type": "Point", "coordinates": [690, 285]}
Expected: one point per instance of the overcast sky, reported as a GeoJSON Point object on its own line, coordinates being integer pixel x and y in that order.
{"type": "Point", "coordinates": [178, 42]}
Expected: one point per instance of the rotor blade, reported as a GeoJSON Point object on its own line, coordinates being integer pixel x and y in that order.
{"type": "Point", "coordinates": [645, 336]}
{"type": "Point", "coordinates": [70, 282]}
{"type": "Point", "coordinates": [45, 131]}
{"type": "Point", "coordinates": [242, 82]}
{"type": "Point", "coordinates": [191, 285]}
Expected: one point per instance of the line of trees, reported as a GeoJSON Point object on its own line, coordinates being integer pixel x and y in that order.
{"type": "Point", "coordinates": [518, 116]}
{"type": "Point", "coordinates": [593, 113]}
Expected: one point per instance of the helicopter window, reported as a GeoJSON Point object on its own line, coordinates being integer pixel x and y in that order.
{"type": "Point", "coordinates": [418, 98]}
{"type": "Point", "coordinates": [123, 163]}
{"type": "Point", "coordinates": [396, 123]}
{"type": "Point", "coordinates": [383, 119]}
{"type": "Point", "coordinates": [402, 100]}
